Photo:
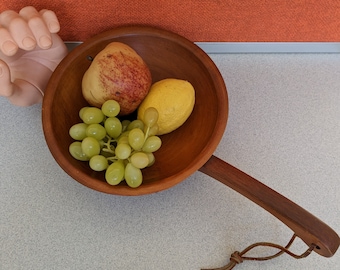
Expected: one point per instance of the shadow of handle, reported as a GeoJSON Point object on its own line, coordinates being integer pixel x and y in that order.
{"type": "Point", "coordinates": [306, 226]}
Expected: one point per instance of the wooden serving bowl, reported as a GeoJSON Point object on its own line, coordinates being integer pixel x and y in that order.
{"type": "Point", "coordinates": [168, 55]}
{"type": "Point", "coordinates": [185, 150]}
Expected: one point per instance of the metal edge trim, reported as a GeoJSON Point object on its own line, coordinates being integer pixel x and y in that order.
{"type": "Point", "coordinates": [257, 47]}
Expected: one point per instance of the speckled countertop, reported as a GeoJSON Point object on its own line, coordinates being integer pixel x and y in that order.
{"type": "Point", "coordinates": [283, 129]}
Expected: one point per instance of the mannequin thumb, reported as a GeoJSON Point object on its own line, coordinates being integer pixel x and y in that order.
{"type": "Point", "coordinates": [6, 86]}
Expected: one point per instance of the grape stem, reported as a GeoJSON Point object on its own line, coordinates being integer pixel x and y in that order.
{"type": "Point", "coordinates": [108, 145]}
{"type": "Point", "coordinates": [146, 134]}
{"type": "Point", "coordinates": [112, 159]}
{"type": "Point", "coordinates": [108, 149]}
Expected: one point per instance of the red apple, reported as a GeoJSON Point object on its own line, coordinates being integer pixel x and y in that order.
{"type": "Point", "coordinates": [117, 72]}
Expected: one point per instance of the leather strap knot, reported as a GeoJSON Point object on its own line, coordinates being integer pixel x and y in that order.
{"type": "Point", "coordinates": [236, 257]}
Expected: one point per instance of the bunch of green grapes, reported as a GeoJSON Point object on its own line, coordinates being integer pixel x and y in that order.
{"type": "Point", "coordinates": [122, 148]}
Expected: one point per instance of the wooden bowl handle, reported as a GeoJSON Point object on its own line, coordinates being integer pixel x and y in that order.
{"type": "Point", "coordinates": [306, 226]}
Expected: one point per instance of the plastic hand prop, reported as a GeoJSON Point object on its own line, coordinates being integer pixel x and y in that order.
{"type": "Point", "coordinates": [30, 50]}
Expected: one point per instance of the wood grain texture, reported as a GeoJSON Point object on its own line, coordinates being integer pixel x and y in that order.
{"type": "Point", "coordinates": [306, 226]}
{"type": "Point", "coordinates": [208, 20]}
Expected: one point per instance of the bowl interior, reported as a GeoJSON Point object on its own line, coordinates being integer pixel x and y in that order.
{"type": "Point", "coordinates": [168, 55]}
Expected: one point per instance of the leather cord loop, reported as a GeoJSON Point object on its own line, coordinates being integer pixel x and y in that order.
{"type": "Point", "coordinates": [237, 257]}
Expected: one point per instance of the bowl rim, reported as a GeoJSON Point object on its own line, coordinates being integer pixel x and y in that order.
{"type": "Point", "coordinates": [162, 184]}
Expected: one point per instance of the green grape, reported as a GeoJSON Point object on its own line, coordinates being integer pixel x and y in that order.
{"type": "Point", "coordinates": [136, 138]}
{"type": "Point", "coordinates": [123, 151]}
{"type": "Point", "coordinates": [152, 144]}
{"type": "Point", "coordinates": [113, 127]}
{"type": "Point", "coordinates": [123, 139]}
{"type": "Point", "coordinates": [125, 134]}
{"type": "Point", "coordinates": [96, 131]}
{"type": "Point", "coordinates": [78, 131]}
{"type": "Point", "coordinates": [150, 131]}
{"type": "Point", "coordinates": [81, 112]}
{"type": "Point", "coordinates": [125, 124]}
{"type": "Point", "coordinates": [136, 124]}
{"type": "Point", "coordinates": [92, 115]}
{"type": "Point", "coordinates": [98, 163]}
{"type": "Point", "coordinates": [150, 116]}
{"type": "Point", "coordinates": [152, 159]}
{"type": "Point", "coordinates": [133, 176]}
{"type": "Point", "coordinates": [139, 160]}
{"type": "Point", "coordinates": [111, 108]}
{"type": "Point", "coordinates": [90, 146]}
{"type": "Point", "coordinates": [103, 138]}
{"type": "Point", "coordinates": [77, 152]}
{"type": "Point", "coordinates": [115, 173]}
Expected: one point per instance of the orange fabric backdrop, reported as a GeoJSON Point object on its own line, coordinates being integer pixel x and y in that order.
{"type": "Point", "coordinates": [200, 20]}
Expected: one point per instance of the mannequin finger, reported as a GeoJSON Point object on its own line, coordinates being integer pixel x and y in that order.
{"type": "Point", "coordinates": [51, 20]}
{"type": "Point", "coordinates": [18, 29]}
{"type": "Point", "coordinates": [6, 85]}
{"type": "Point", "coordinates": [37, 26]}
{"type": "Point", "coordinates": [7, 44]}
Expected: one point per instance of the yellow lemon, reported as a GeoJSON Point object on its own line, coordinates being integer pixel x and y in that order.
{"type": "Point", "coordinates": [174, 100]}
